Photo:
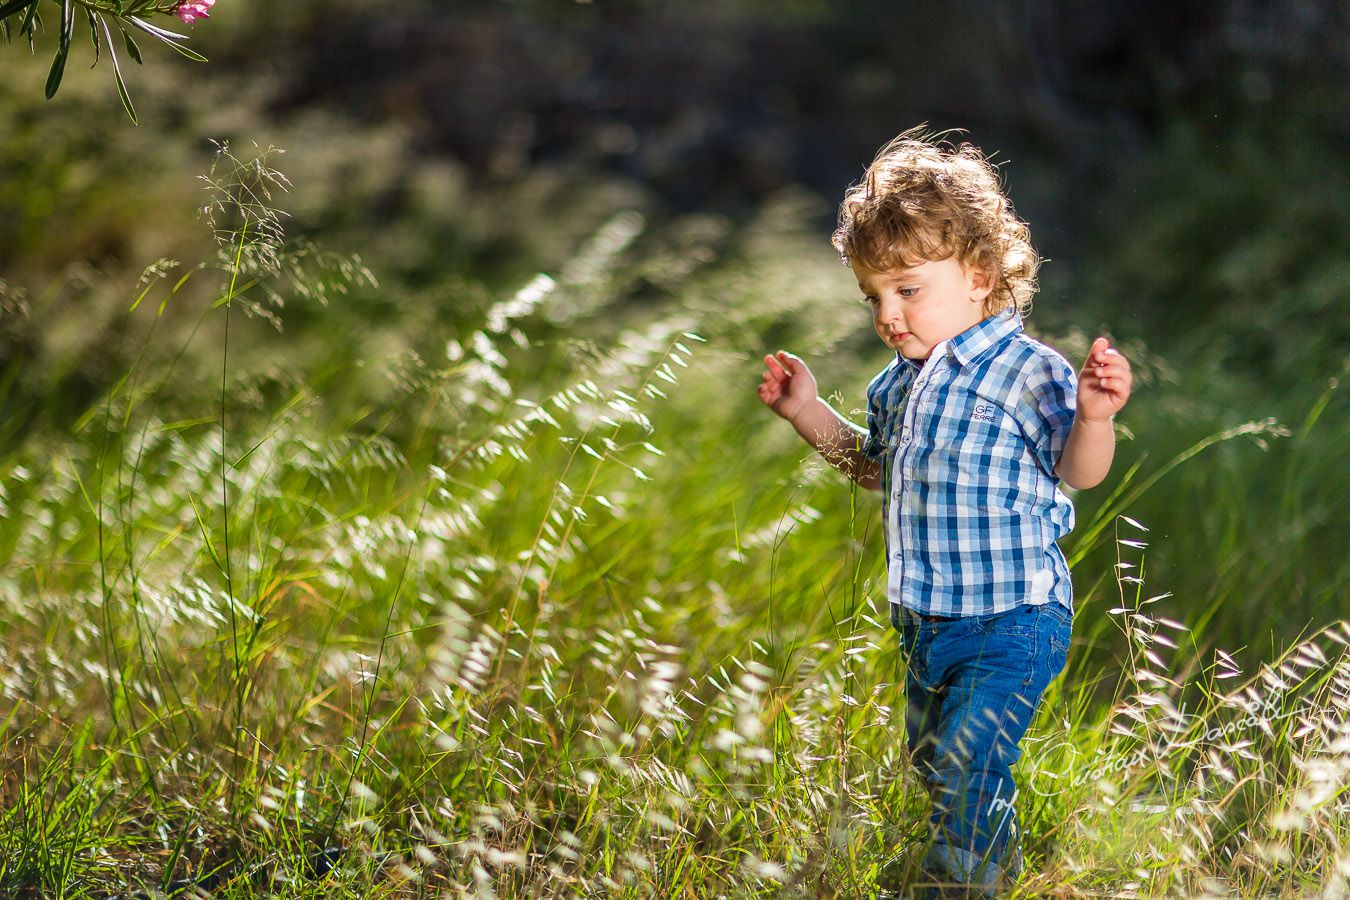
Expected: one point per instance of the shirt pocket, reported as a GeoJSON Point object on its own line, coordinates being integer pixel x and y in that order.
{"type": "Point", "coordinates": [990, 458]}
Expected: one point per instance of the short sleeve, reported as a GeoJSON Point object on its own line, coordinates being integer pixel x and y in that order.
{"type": "Point", "coordinates": [874, 447]}
{"type": "Point", "coordinates": [1045, 409]}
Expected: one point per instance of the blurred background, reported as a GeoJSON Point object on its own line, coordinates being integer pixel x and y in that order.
{"type": "Point", "coordinates": [395, 380]}
{"type": "Point", "coordinates": [1183, 168]}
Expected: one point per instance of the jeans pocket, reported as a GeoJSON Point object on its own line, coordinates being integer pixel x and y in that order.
{"type": "Point", "coordinates": [1060, 636]}
{"type": "Point", "coordinates": [1045, 630]}
{"type": "Point", "coordinates": [1020, 622]}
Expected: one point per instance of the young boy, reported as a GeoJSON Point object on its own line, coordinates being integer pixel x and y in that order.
{"type": "Point", "coordinates": [971, 429]}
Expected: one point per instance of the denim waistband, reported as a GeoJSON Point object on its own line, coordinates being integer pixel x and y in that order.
{"type": "Point", "coordinates": [906, 611]}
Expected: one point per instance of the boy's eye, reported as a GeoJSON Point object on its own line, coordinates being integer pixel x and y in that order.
{"type": "Point", "coordinates": [908, 292]}
{"type": "Point", "coordinates": [870, 300]}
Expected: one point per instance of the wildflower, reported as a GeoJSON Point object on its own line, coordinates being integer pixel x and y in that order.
{"type": "Point", "coordinates": [190, 11]}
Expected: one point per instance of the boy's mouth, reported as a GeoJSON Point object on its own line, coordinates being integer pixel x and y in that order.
{"type": "Point", "coordinates": [899, 335]}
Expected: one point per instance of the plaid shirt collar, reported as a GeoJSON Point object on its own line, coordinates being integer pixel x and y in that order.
{"type": "Point", "coordinates": [978, 339]}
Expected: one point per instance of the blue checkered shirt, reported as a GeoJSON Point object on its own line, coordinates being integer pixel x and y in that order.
{"type": "Point", "coordinates": [968, 446]}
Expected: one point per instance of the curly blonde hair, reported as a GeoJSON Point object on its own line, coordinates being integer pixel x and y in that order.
{"type": "Point", "coordinates": [920, 200]}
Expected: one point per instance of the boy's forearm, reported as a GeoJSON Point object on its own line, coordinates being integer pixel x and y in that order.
{"type": "Point", "coordinates": [1087, 454]}
{"type": "Point", "coordinates": [839, 441]}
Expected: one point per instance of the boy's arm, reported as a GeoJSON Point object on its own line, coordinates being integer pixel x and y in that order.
{"type": "Point", "coordinates": [1088, 452]}
{"type": "Point", "coordinates": [789, 389]}
{"type": "Point", "coordinates": [1103, 387]}
{"type": "Point", "coordinates": [838, 440]}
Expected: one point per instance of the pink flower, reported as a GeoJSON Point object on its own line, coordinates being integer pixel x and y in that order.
{"type": "Point", "coordinates": [190, 11]}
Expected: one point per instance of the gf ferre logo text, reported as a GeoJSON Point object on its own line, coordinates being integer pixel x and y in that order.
{"type": "Point", "coordinates": [984, 412]}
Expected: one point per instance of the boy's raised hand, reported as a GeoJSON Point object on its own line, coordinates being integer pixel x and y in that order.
{"type": "Point", "coordinates": [1104, 383]}
{"type": "Point", "coordinates": [787, 385]}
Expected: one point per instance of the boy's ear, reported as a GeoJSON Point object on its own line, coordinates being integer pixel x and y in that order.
{"type": "Point", "coordinates": [981, 283]}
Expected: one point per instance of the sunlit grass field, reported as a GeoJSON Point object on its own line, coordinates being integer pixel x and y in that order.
{"type": "Point", "coordinates": [542, 602]}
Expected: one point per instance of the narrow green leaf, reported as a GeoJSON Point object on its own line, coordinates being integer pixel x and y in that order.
{"type": "Point", "coordinates": [206, 535]}
{"type": "Point", "coordinates": [161, 33]}
{"type": "Point", "coordinates": [137, 302]}
{"type": "Point", "coordinates": [185, 424]}
{"type": "Point", "coordinates": [178, 285]}
{"type": "Point", "coordinates": [169, 37]}
{"type": "Point", "coordinates": [63, 50]}
{"type": "Point", "coordinates": [190, 54]}
{"type": "Point", "coordinates": [28, 19]}
{"type": "Point", "coordinates": [117, 72]}
{"type": "Point", "coordinates": [93, 35]}
{"type": "Point", "coordinates": [171, 864]}
{"type": "Point", "coordinates": [123, 94]}
{"type": "Point", "coordinates": [13, 6]}
{"type": "Point", "coordinates": [134, 50]}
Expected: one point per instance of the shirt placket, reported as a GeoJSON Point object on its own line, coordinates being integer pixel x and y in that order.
{"type": "Point", "coordinates": [901, 471]}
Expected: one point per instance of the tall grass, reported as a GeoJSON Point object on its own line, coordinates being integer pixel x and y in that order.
{"type": "Point", "coordinates": [558, 610]}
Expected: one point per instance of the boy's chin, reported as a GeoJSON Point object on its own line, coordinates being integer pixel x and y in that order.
{"type": "Point", "coordinates": [905, 348]}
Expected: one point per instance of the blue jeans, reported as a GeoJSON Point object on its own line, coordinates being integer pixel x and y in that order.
{"type": "Point", "coordinates": [972, 686]}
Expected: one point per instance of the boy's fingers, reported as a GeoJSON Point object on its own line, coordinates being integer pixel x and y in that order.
{"type": "Point", "coordinates": [1106, 358]}
{"type": "Point", "coordinates": [788, 364]}
{"type": "Point", "coordinates": [775, 367]}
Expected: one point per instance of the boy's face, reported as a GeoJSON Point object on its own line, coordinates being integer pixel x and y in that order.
{"type": "Point", "coordinates": [915, 309]}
